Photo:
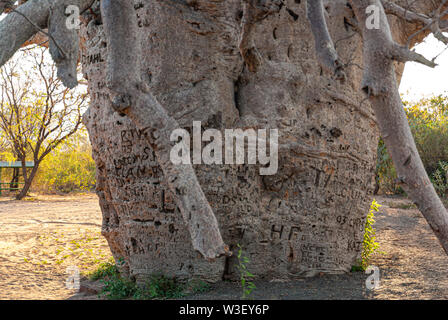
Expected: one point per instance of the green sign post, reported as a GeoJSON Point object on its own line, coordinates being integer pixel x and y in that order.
{"type": "Point", "coordinates": [13, 164]}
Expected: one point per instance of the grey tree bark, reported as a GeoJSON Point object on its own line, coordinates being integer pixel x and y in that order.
{"type": "Point", "coordinates": [379, 83]}
{"type": "Point", "coordinates": [306, 219]}
{"type": "Point", "coordinates": [132, 98]}
{"type": "Point", "coordinates": [246, 64]}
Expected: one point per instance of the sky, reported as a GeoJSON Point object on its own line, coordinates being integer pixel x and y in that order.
{"type": "Point", "coordinates": [420, 81]}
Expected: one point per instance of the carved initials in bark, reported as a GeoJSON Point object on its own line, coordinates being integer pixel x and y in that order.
{"type": "Point", "coordinates": [132, 99]}
{"type": "Point", "coordinates": [380, 85]}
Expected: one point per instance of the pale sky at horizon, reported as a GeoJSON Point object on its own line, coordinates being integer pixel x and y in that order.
{"type": "Point", "coordinates": [420, 81]}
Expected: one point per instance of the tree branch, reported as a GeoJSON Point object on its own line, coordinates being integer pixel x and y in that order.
{"type": "Point", "coordinates": [326, 53]}
{"type": "Point", "coordinates": [403, 54]}
{"type": "Point", "coordinates": [15, 29]}
{"type": "Point", "coordinates": [64, 44]}
{"type": "Point", "coordinates": [413, 17]}
{"type": "Point", "coordinates": [381, 87]}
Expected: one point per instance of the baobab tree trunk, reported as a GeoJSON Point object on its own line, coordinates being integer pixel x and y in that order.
{"type": "Point", "coordinates": [379, 83]}
{"type": "Point", "coordinates": [14, 184]}
{"type": "Point", "coordinates": [251, 64]}
{"type": "Point", "coordinates": [307, 218]}
{"type": "Point", "coordinates": [230, 67]}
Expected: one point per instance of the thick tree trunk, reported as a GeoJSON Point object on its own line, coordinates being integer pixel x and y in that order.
{"type": "Point", "coordinates": [132, 98]}
{"type": "Point", "coordinates": [239, 64]}
{"type": "Point", "coordinates": [307, 218]}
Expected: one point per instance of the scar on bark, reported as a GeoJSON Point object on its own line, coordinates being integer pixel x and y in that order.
{"type": "Point", "coordinates": [133, 99]}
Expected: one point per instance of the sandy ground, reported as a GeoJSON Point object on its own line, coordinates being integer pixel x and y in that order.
{"type": "Point", "coordinates": [41, 237]}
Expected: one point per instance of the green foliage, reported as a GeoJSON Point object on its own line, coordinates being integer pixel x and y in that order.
{"type": "Point", "coordinates": [385, 170]}
{"type": "Point", "coordinates": [157, 287]}
{"type": "Point", "coordinates": [198, 286]}
{"type": "Point", "coordinates": [160, 287]}
{"type": "Point", "coordinates": [428, 120]}
{"type": "Point", "coordinates": [117, 287]}
{"type": "Point", "coordinates": [369, 243]}
{"type": "Point", "coordinates": [68, 168]}
{"type": "Point", "coordinates": [105, 270]}
{"type": "Point", "coordinates": [357, 268]}
{"type": "Point", "coordinates": [439, 179]}
{"type": "Point", "coordinates": [245, 276]}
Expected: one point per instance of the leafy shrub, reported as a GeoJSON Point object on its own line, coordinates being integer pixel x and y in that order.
{"type": "Point", "coordinates": [105, 269]}
{"type": "Point", "coordinates": [160, 287]}
{"type": "Point", "coordinates": [117, 287]}
{"type": "Point", "coordinates": [369, 243]}
{"type": "Point", "coordinates": [439, 179]}
{"type": "Point", "coordinates": [245, 276]}
{"type": "Point", "coordinates": [157, 287]}
{"type": "Point", "coordinates": [198, 286]}
{"type": "Point", "coordinates": [428, 120]}
{"type": "Point", "coordinates": [385, 171]}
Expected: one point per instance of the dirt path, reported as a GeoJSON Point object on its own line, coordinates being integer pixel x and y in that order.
{"type": "Point", "coordinates": [39, 239]}
{"type": "Point", "coordinates": [412, 266]}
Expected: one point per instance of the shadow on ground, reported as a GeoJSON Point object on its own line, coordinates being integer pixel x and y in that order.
{"type": "Point", "coordinates": [32, 265]}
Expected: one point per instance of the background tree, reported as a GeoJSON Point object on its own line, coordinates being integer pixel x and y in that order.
{"type": "Point", "coordinates": [69, 167]}
{"type": "Point", "coordinates": [37, 112]}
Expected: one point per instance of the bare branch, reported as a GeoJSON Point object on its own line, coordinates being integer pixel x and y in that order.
{"type": "Point", "coordinates": [406, 14]}
{"type": "Point", "coordinates": [431, 23]}
{"type": "Point", "coordinates": [381, 87]}
{"type": "Point", "coordinates": [326, 53]}
{"type": "Point", "coordinates": [64, 45]}
{"type": "Point", "coordinates": [15, 30]}
{"type": "Point", "coordinates": [40, 30]}
{"type": "Point", "coordinates": [403, 54]}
